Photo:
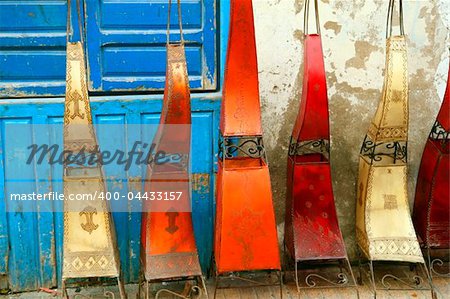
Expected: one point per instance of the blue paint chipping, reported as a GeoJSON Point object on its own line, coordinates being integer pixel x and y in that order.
{"type": "Point", "coordinates": [125, 51]}
{"type": "Point", "coordinates": [35, 239]}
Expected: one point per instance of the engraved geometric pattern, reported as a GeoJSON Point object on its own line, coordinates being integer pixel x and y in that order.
{"type": "Point", "coordinates": [388, 133]}
{"type": "Point", "coordinates": [90, 248]}
{"type": "Point", "coordinates": [390, 201]}
{"type": "Point", "coordinates": [384, 226]}
{"type": "Point", "coordinates": [91, 264]}
{"type": "Point", "coordinates": [381, 127]}
{"type": "Point", "coordinates": [394, 247]}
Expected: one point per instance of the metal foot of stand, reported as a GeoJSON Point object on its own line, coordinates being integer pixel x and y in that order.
{"type": "Point", "coordinates": [417, 281]}
{"type": "Point", "coordinates": [435, 266]}
{"type": "Point", "coordinates": [106, 294]}
{"type": "Point", "coordinates": [317, 281]}
{"type": "Point", "coordinates": [195, 291]}
{"type": "Point", "coordinates": [250, 282]}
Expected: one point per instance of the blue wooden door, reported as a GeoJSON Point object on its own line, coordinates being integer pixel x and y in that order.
{"type": "Point", "coordinates": [125, 45]}
{"type": "Point", "coordinates": [32, 48]}
{"type": "Point", "coordinates": [35, 238]}
{"type": "Point", "coordinates": [125, 49]}
{"type": "Point", "coordinates": [123, 35]}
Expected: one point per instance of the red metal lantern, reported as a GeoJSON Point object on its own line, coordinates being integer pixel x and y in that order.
{"type": "Point", "coordinates": [311, 226]}
{"type": "Point", "coordinates": [169, 251]}
{"type": "Point", "coordinates": [431, 213]}
{"type": "Point", "coordinates": [245, 228]}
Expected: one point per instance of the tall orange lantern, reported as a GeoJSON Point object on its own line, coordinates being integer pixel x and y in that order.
{"type": "Point", "coordinates": [168, 248]}
{"type": "Point", "coordinates": [431, 213]}
{"type": "Point", "coordinates": [245, 228]}
{"type": "Point", "coordinates": [384, 228]}
{"type": "Point", "coordinates": [311, 226]}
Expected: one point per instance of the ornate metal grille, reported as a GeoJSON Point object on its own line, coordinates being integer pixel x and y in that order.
{"type": "Point", "coordinates": [439, 133]}
{"type": "Point", "coordinates": [320, 146]}
{"type": "Point", "coordinates": [396, 151]}
{"type": "Point", "coordinates": [242, 146]}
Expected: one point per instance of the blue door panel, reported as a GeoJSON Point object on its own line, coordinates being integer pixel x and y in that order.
{"type": "Point", "coordinates": [145, 15]}
{"type": "Point", "coordinates": [202, 187]}
{"type": "Point", "coordinates": [35, 239]}
{"type": "Point", "coordinates": [4, 247]}
{"type": "Point", "coordinates": [22, 226]}
{"type": "Point", "coordinates": [33, 16]}
{"type": "Point", "coordinates": [56, 170]}
{"type": "Point", "coordinates": [126, 41]}
{"type": "Point", "coordinates": [32, 47]}
{"type": "Point", "coordinates": [45, 224]}
{"type": "Point", "coordinates": [118, 61]}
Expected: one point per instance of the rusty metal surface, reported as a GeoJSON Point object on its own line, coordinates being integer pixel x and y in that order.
{"type": "Point", "coordinates": [167, 236]}
{"type": "Point", "coordinates": [172, 265]}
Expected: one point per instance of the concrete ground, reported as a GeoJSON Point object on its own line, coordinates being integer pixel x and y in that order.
{"type": "Point", "coordinates": [442, 288]}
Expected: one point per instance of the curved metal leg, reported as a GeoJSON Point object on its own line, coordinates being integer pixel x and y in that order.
{"type": "Point", "coordinates": [216, 284]}
{"type": "Point", "coordinates": [430, 272]}
{"type": "Point", "coordinates": [372, 278]}
{"type": "Point", "coordinates": [430, 280]}
{"type": "Point", "coordinates": [353, 277]}
{"type": "Point", "coordinates": [296, 276]}
{"type": "Point", "coordinates": [64, 292]}
{"type": "Point", "coordinates": [147, 290]}
{"type": "Point", "coordinates": [360, 278]}
{"type": "Point", "coordinates": [201, 281]}
{"type": "Point", "coordinates": [123, 294]}
{"type": "Point", "coordinates": [138, 295]}
{"type": "Point", "coordinates": [280, 277]}
{"type": "Point", "coordinates": [283, 260]}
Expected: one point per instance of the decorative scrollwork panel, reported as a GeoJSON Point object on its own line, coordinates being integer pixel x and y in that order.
{"type": "Point", "coordinates": [249, 146]}
{"type": "Point", "coordinates": [395, 152]}
{"type": "Point", "coordinates": [320, 146]}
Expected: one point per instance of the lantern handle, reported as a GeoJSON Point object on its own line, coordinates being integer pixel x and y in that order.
{"type": "Point", "coordinates": [180, 22]}
{"type": "Point", "coordinates": [306, 17]}
{"type": "Point", "coordinates": [390, 18]}
{"type": "Point", "coordinates": [69, 29]}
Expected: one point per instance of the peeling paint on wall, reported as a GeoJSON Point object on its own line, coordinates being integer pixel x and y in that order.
{"type": "Point", "coordinates": [353, 36]}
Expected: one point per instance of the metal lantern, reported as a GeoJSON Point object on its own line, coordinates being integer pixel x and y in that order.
{"type": "Point", "coordinates": [384, 228]}
{"type": "Point", "coordinates": [245, 227]}
{"type": "Point", "coordinates": [431, 213]}
{"type": "Point", "coordinates": [311, 226]}
{"type": "Point", "coordinates": [169, 251]}
{"type": "Point", "coordinates": [89, 246]}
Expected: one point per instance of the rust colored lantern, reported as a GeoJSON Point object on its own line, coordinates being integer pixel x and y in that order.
{"type": "Point", "coordinates": [311, 226]}
{"type": "Point", "coordinates": [384, 228]}
{"type": "Point", "coordinates": [245, 227]}
{"type": "Point", "coordinates": [169, 251]}
{"type": "Point", "coordinates": [89, 246]}
{"type": "Point", "coordinates": [431, 214]}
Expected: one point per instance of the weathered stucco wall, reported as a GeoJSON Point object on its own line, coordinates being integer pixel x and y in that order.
{"type": "Point", "coordinates": [353, 36]}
